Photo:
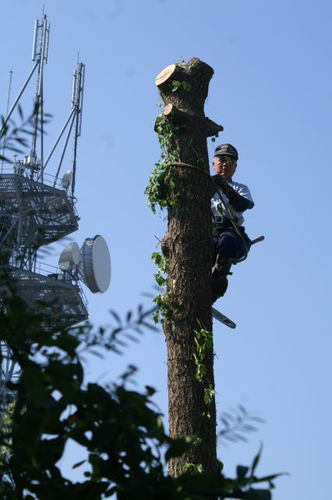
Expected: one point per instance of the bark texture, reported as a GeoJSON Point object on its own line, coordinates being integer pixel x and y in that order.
{"type": "Point", "coordinates": [188, 246]}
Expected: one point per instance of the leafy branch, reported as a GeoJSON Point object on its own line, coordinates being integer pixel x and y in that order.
{"type": "Point", "coordinates": [237, 422]}
{"type": "Point", "coordinates": [15, 138]}
{"type": "Point", "coordinates": [132, 323]}
{"type": "Point", "coordinates": [126, 446]}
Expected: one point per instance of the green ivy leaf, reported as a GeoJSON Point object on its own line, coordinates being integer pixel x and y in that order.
{"type": "Point", "coordinates": [175, 85]}
{"type": "Point", "coordinates": [256, 461]}
{"type": "Point", "coordinates": [241, 472]}
{"type": "Point", "coordinates": [186, 86]}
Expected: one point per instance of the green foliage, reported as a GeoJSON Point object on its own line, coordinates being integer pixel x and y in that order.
{"type": "Point", "coordinates": [176, 85]}
{"type": "Point", "coordinates": [161, 186]}
{"type": "Point", "coordinates": [6, 446]}
{"type": "Point", "coordinates": [181, 63]}
{"type": "Point", "coordinates": [117, 426]}
{"type": "Point", "coordinates": [204, 343]}
{"type": "Point", "coordinates": [161, 191]}
{"type": "Point", "coordinates": [197, 468]}
{"type": "Point", "coordinates": [237, 423]}
{"type": "Point", "coordinates": [133, 323]}
{"type": "Point", "coordinates": [160, 261]}
{"type": "Point", "coordinates": [209, 394]}
{"type": "Point", "coordinates": [186, 86]}
{"type": "Point", "coordinates": [162, 308]}
{"type": "Point", "coordinates": [15, 138]}
{"type": "Point", "coordinates": [123, 435]}
{"type": "Point", "coordinates": [5, 434]}
{"type": "Point", "coordinates": [126, 447]}
{"type": "Point", "coordinates": [160, 299]}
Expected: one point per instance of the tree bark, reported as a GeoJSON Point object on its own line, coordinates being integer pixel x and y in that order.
{"type": "Point", "coordinates": [188, 247]}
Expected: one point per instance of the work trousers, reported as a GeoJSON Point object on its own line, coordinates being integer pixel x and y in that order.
{"type": "Point", "coordinates": [228, 244]}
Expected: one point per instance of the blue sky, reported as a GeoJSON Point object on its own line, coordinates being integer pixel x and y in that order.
{"type": "Point", "coordinates": [272, 92]}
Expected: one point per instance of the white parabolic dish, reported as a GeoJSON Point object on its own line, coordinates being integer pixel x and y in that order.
{"type": "Point", "coordinates": [96, 264]}
{"type": "Point", "coordinates": [69, 257]}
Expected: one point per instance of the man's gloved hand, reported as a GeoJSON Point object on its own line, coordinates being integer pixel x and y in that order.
{"type": "Point", "coordinates": [221, 182]}
{"type": "Point", "coordinates": [236, 200]}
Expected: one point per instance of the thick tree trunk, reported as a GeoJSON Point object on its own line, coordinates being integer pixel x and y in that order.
{"type": "Point", "coordinates": [188, 247]}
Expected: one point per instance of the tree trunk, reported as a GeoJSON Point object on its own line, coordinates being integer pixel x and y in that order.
{"type": "Point", "coordinates": [188, 247]}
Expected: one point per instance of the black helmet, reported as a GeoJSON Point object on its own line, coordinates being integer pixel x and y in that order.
{"type": "Point", "coordinates": [226, 149]}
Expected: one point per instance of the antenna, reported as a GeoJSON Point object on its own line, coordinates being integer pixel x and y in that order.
{"type": "Point", "coordinates": [77, 104]}
{"type": "Point", "coordinates": [36, 163]}
{"type": "Point", "coordinates": [40, 40]}
{"type": "Point", "coordinates": [92, 263]}
{"type": "Point", "coordinates": [34, 42]}
{"type": "Point", "coordinates": [36, 211]}
{"type": "Point", "coordinates": [74, 121]}
{"type": "Point", "coordinates": [40, 55]}
{"type": "Point", "coordinates": [33, 212]}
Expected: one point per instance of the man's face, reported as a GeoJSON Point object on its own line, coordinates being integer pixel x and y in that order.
{"type": "Point", "coordinates": [224, 165]}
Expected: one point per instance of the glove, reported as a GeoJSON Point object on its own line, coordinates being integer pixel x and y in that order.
{"type": "Point", "coordinates": [221, 183]}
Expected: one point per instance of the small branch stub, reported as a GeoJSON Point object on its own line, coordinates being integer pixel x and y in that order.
{"type": "Point", "coordinates": [165, 74]}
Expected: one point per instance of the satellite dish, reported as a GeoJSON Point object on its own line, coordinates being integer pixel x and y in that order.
{"type": "Point", "coordinates": [67, 179]}
{"type": "Point", "coordinates": [69, 257]}
{"type": "Point", "coordinates": [96, 264]}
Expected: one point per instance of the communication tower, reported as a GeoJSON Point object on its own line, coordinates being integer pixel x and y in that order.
{"type": "Point", "coordinates": [38, 208]}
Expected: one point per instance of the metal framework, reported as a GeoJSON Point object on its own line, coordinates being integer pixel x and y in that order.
{"type": "Point", "coordinates": [37, 209]}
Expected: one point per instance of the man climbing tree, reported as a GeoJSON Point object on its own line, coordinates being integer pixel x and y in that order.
{"type": "Point", "coordinates": [181, 183]}
{"type": "Point", "coordinates": [230, 200]}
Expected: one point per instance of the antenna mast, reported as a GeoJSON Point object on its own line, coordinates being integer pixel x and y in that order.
{"type": "Point", "coordinates": [74, 121]}
{"type": "Point", "coordinates": [39, 55]}
{"type": "Point", "coordinates": [36, 211]}
{"type": "Point", "coordinates": [77, 105]}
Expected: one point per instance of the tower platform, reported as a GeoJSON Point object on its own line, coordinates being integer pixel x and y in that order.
{"type": "Point", "coordinates": [34, 213]}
